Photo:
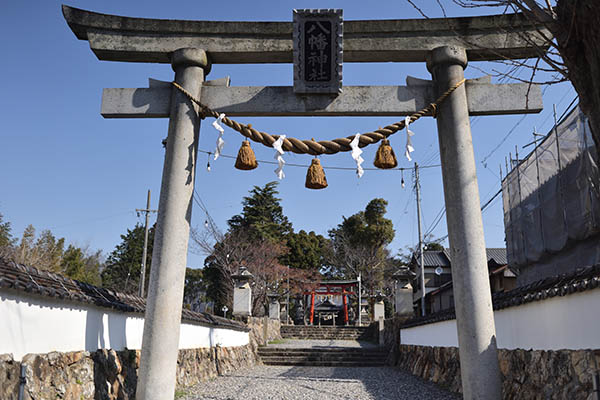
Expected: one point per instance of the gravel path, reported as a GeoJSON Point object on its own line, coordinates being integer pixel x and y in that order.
{"type": "Point", "coordinates": [322, 383]}
{"type": "Point", "coordinates": [299, 343]}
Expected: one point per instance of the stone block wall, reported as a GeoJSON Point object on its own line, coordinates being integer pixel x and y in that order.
{"type": "Point", "coordinates": [391, 336]}
{"type": "Point", "coordinates": [257, 331]}
{"type": "Point", "coordinates": [109, 374]}
{"type": "Point", "coordinates": [526, 374]}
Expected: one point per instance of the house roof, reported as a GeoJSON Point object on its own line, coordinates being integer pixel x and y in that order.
{"type": "Point", "coordinates": [433, 258]}
{"type": "Point", "coordinates": [581, 280]}
{"type": "Point", "coordinates": [23, 278]}
{"type": "Point", "coordinates": [442, 258]}
{"type": "Point", "coordinates": [498, 255]}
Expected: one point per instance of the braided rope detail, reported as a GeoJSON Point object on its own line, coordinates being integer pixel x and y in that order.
{"type": "Point", "coordinates": [323, 146]}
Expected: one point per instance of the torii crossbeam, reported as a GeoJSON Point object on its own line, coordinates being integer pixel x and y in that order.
{"type": "Point", "coordinates": [191, 46]}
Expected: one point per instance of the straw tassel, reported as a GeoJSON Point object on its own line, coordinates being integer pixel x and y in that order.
{"type": "Point", "coordinates": [385, 157]}
{"type": "Point", "coordinates": [315, 176]}
{"type": "Point", "coordinates": [246, 160]}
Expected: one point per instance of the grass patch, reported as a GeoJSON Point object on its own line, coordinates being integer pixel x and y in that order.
{"type": "Point", "coordinates": [180, 394]}
{"type": "Point", "coordinates": [277, 341]}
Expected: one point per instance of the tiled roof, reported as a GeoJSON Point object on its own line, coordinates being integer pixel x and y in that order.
{"type": "Point", "coordinates": [32, 280]}
{"type": "Point", "coordinates": [581, 280]}
{"type": "Point", "coordinates": [435, 258]}
{"type": "Point", "coordinates": [498, 255]}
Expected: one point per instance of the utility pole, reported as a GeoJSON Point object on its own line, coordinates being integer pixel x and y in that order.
{"type": "Point", "coordinates": [418, 189]}
{"type": "Point", "coordinates": [287, 306]}
{"type": "Point", "coordinates": [359, 299]}
{"type": "Point", "coordinates": [147, 210]}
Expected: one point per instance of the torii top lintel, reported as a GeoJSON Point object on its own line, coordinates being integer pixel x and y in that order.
{"type": "Point", "coordinates": [116, 38]}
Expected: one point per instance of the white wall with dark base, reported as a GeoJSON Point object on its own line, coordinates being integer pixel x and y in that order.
{"type": "Point", "coordinates": [561, 322]}
{"type": "Point", "coordinates": [36, 324]}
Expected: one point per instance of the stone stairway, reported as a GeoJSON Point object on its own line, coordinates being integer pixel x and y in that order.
{"type": "Point", "coordinates": [323, 357]}
{"type": "Point", "coordinates": [326, 332]}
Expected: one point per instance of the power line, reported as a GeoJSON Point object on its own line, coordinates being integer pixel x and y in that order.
{"type": "Point", "coordinates": [487, 203]}
{"type": "Point", "coordinates": [436, 221]}
{"type": "Point", "coordinates": [510, 132]}
{"type": "Point", "coordinates": [326, 167]}
{"type": "Point", "coordinates": [442, 212]}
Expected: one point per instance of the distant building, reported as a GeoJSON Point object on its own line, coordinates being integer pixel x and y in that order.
{"type": "Point", "coordinates": [438, 277]}
{"type": "Point", "coordinates": [433, 261]}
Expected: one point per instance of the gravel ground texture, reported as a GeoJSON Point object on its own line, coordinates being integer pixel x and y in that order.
{"type": "Point", "coordinates": [322, 383]}
{"type": "Point", "coordinates": [311, 344]}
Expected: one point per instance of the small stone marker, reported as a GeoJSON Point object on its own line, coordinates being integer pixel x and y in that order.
{"type": "Point", "coordinates": [379, 310]}
{"type": "Point", "coordinates": [318, 56]}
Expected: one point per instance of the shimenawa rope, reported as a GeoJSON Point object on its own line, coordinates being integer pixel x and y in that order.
{"type": "Point", "coordinates": [323, 146]}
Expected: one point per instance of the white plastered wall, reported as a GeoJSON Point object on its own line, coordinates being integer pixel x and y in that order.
{"type": "Point", "coordinates": [35, 324]}
{"type": "Point", "coordinates": [562, 322]}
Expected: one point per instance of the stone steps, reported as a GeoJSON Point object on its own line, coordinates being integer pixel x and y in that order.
{"type": "Point", "coordinates": [325, 333]}
{"type": "Point", "coordinates": [319, 357]}
{"type": "Point", "coordinates": [325, 363]}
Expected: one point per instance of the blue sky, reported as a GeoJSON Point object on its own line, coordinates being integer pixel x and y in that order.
{"type": "Point", "coordinates": [65, 168]}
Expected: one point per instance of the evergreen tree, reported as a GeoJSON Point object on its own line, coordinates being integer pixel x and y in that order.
{"type": "Point", "coordinates": [307, 251]}
{"type": "Point", "coordinates": [6, 239]}
{"type": "Point", "coordinates": [123, 265]}
{"type": "Point", "coordinates": [359, 246]}
{"type": "Point", "coordinates": [194, 293]}
{"type": "Point", "coordinates": [79, 266]}
{"type": "Point", "coordinates": [262, 215]}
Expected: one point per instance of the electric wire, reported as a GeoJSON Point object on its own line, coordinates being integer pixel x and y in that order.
{"type": "Point", "coordinates": [328, 167]}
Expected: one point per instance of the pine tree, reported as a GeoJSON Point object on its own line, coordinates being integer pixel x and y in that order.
{"type": "Point", "coordinates": [262, 215]}
{"type": "Point", "coordinates": [123, 265]}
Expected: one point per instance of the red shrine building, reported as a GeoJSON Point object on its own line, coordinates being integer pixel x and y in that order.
{"type": "Point", "coordinates": [329, 303]}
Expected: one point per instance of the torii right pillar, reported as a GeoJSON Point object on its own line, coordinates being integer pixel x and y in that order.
{"type": "Point", "coordinates": [479, 368]}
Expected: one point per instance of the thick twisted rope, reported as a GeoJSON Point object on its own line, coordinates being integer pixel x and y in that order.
{"type": "Point", "coordinates": [323, 146]}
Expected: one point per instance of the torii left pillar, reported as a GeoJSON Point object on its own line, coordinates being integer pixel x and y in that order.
{"type": "Point", "coordinates": [160, 343]}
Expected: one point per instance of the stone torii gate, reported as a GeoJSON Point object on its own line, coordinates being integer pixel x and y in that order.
{"type": "Point", "coordinates": [191, 46]}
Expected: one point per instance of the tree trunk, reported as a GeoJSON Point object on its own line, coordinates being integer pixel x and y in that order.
{"type": "Point", "coordinates": [578, 34]}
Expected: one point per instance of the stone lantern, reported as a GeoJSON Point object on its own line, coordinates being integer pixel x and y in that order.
{"type": "Point", "coordinates": [403, 291]}
{"type": "Point", "coordinates": [274, 306]}
{"type": "Point", "coordinates": [242, 293]}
